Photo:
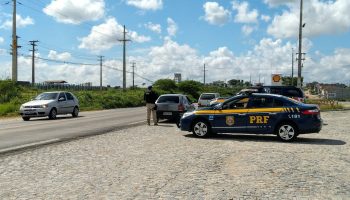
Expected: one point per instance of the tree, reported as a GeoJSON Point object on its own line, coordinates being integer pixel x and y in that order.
{"type": "Point", "coordinates": [287, 80]}
{"type": "Point", "coordinates": [191, 87]}
{"type": "Point", "coordinates": [166, 85]}
{"type": "Point", "coordinates": [235, 82]}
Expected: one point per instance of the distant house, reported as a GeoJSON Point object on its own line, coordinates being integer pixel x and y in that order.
{"type": "Point", "coordinates": [333, 91]}
{"type": "Point", "coordinates": [55, 82]}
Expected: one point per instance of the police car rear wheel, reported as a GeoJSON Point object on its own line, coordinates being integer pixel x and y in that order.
{"type": "Point", "coordinates": [287, 132]}
{"type": "Point", "coordinates": [201, 129]}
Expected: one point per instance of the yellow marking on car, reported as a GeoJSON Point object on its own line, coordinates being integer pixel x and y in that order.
{"type": "Point", "coordinates": [298, 109]}
{"type": "Point", "coordinates": [233, 111]}
{"type": "Point", "coordinates": [258, 119]}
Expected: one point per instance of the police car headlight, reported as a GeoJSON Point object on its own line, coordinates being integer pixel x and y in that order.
{"type": "Point", "coordinates": [187, 114]}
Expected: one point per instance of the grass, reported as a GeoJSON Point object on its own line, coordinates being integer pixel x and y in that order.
{"type": "Point", "coordinates": [326, 105]}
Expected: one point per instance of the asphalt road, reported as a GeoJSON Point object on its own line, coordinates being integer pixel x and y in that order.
{"type": "Point", "coordinates": [17, 134]}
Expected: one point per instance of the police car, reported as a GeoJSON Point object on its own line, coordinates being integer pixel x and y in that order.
{"type": "Point", "coordinates": [255, 113]}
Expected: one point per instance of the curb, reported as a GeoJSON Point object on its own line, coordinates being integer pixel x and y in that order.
{"type": "Point", "coordinates": [40, 144]}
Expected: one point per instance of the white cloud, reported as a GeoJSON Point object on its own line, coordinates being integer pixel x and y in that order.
{"type": "Point", "coordinates": [153, 27]}
{"type": "Point", "coordinates": [105, 36]}
{"type": "Point", "coordinates": [3, 52]}
{"type": "Point", "coordinates": [172, 27]}
{"type": "Point", "coordinates": [274, 3]}
{"type": "Point", "coordinates": [59, 56]}
{"type": "Point", "coordinates": [243, 14]}
{"type": "Point", "coordinates": [146, 4]}
{"type": "Point", "coordinates": [247, 30]}
{"type": "Point", "coordinates": [2, 40]}
{"type": "Point", "coordinates": [75, 12]}
{"type": "Point", "coordinates": [222, 64]}
{"type": "Point", "coordinates": [20, 22]}
{"type": "Point", "coordinates": [265, 18]}
{"type": "Point", "coordinates": [216, 14]}
{"type": "Point", "coordinates": [329, 69]}
{"type": "Point", "coordinates": [321, 18]}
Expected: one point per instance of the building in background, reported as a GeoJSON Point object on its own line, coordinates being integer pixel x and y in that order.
{"type": "Point", "coordinates": [177, 77]}
{"type": "Point", "coordinates": [333, 91]}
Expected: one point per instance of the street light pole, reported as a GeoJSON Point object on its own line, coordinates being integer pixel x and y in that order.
{"type": "Point", "coordinates": [300, 44]}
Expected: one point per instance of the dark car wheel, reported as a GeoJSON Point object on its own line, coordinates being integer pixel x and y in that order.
{"type": "Point", "coordinates": [53, 114]}
{"type": "Point", "coordinates": [26, 118]}
{"type": "Point", "coordinates": [201, 128]}
{"type": "Point", "coordinates": [286, 132]}
{"type": "Point", "coordinates": [75, 112]}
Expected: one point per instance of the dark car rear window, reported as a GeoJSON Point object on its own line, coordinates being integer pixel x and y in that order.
{"type": "Point", "coordinates": [207, 96]}
{"type": "Point", "coordinates": [168, 99]}
{"type": "Point", "coordinates": [288, 92]}
{"type": "Point", "coordinates": [293, 93]}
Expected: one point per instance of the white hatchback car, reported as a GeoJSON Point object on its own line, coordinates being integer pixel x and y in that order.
{"type": "Point", "coordinates": [205, 99]}
{"type": "Point", "coordinates": [50, 104]}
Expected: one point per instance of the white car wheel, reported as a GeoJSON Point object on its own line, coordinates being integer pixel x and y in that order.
{"type": "Point", "coordinates": [201, 129]}
{"type": "Point", "coordinates": [286, 132]}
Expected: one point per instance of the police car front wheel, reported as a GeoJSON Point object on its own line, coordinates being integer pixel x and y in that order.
{"type": "Point", "coordinates": [287, 132]}
{"type": "Point", "coordinates": [201, 129]}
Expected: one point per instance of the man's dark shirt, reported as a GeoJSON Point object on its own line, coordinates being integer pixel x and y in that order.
{"type": "Point", "coordinates": [150, 97]}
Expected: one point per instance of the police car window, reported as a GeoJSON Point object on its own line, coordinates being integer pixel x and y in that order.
{"type": "Point", "coordinates": [278, 103]}
{"type": "Point", "coordinates": [261, 102]}
{"type": "Point", "coordinates": [236, 103]}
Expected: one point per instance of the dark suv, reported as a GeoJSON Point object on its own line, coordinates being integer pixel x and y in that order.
{"type": "Point", "coordinates": [288, 91]}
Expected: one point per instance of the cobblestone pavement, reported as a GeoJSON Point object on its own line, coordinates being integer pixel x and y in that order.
{"type": "Point", "coordinates": [161, 162]}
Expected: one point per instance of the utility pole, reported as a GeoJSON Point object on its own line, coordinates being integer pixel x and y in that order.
{"type": "Point", "coordinates": [101, 63]}
{"type": "Point", "coordinates": [124, 40]}
{"type": "Point", "coordinates": [204, 70]}
{"type": "Point", "coordinates": [14, 44]}
{"type": "Point", "coordinates": [300, 44]}
{"type": "Point", "coordinates": [33, 43]}
{"type": "Point", "coordinates": [292, 66]}
{"type": "Point", "coordinates": [133, 74]}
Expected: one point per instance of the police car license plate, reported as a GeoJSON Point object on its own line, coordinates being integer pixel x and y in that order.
{"type": "Point", "coordinates": [167, 113]}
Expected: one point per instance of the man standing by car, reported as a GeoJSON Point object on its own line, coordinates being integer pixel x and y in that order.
{"type": "Point", "coordinates": [150, 97]}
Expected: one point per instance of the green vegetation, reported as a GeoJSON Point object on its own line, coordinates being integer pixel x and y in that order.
{"type": "Point", "coordinates": [12, 96]}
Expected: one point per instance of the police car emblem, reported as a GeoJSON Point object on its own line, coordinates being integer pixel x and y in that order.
{"type": "Point", "coordinates": [230, 120]}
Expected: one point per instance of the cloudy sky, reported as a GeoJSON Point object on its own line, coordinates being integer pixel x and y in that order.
{"type": "Point", "coordinates": [236, 39]}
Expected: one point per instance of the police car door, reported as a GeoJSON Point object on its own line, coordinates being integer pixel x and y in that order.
{"type": "Point", "coordinates": [261, 115]}
{"type": "Point", "coordinates": [231, 117]}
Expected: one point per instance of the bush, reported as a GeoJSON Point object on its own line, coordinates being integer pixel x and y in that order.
{"type": "Point", "coordinates": [8, 90]}
{"type": "Point", "coordinates": [166, 85]}
{"type": "Point", "coordinates": [191, 88]}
